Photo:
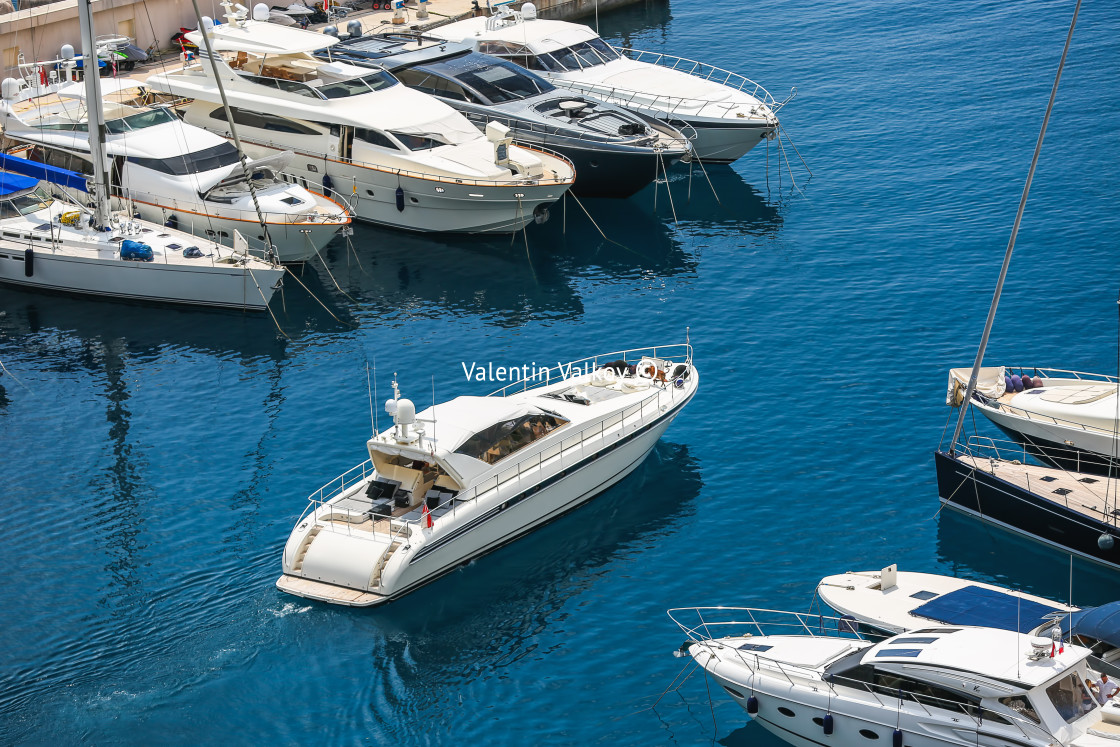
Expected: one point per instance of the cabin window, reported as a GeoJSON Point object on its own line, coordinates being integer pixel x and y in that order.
{"type": "Point", "coordinates": [502, 81]}
{"type": "Point", "coordinates": [419, 142]}
{"type": "Point", "coordinates": [260, 121]}
{"type": "Point", "coordinates": [149, 118]}
{"type": "Point", "coordinates": [357, 86]}
{"type": "Point", "coordinates": [289, 86]}
{"type": "Point", "coordinates": [435, 85]}
{"type": "Point", "coordinates": [1070, 698]}
{"type": "Point", "coordinates": [23, 204]}
{"type": "Point", "coordinates": [580, 56]}
{"type": "Point", "coordinates": [208, 159]}
{"type": "Point", "coordinates": [1022, 706]}
{"type": "Point", "coordinates": [503, 48]}
{"type": "Point", "coordinates": [495, 443]}
{"type": "Point", "coordinates": [62, 159]}
{"type": "Point", "coordinates": [373, 137]}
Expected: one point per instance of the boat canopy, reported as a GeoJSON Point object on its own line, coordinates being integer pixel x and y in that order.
{"type": "Point", "coordinates": [263, 38]}
{"type": "Point", "coordinates": [1102, 623]}
{"type": "Point", "coordinates": [989, 382]}
{"type": "Point", "coordinates": [11, 183]}
{"type": "Point", "coordinates": [43, 172]}
{"type": "Point", "coordinates": [987, 608]}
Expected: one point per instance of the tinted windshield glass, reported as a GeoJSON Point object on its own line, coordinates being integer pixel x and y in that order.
{"type": "Point", "coordinates": [500, 81]}
{"type": "Point", "coordinates": [1070, 698]}
{"type": "Point", "coordinates": [420, 142]}
{"type": "Point", "coordinates": [23, 204]}
{"type": "Point", "coordinates": [357, 86]}
{"type": "Point", "coordinates": [502, 439]}
{"type": "Point", "coordinates": [140, 120]}
{"type": "Point", "coordinates": [580, 56]}
{"type": "Point", "coordinates": [223, 154]}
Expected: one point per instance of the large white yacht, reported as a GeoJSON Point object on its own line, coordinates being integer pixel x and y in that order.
{"type": "Point", "coordinates": [177, 174]}
{"type": "Point", "coordinates": [724, 113]}
{"type": "Point", "coordinates": [811, 680]}
{"type": "Point", "coordinates": [1070, 419]}
{"type": "Point", "coordinates": [466, 476]}
{"type": "Point", "coordinates": [398, 157]}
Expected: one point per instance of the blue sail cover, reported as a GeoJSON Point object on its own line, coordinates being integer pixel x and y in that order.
{"type": "Point", "coordinates": [975, 605]}
{"type": "Point", "coordinates": [43, 172]}
{"type": "Point", "coordinates": [1102, 623]}
{"type": "Point", "coordinates": [10, 183]}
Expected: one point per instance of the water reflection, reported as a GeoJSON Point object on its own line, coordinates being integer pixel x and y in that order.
{"type": "Point", "coordinates": [476, 622]}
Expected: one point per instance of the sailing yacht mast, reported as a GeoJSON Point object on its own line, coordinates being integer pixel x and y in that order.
{"type": "Point", "coordinates": [972, 379]}
{"type": "Point", "coordinates": [95, 116]}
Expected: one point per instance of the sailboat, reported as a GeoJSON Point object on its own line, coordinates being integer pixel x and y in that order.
{"type": "Point", "coordinates": [51, 245]}
{"type": "Point", "coordinates": [1073, 511]}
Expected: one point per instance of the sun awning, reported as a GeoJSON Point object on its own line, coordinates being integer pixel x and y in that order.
{"type": "Point", "coordinates": [988, 608]}
{"type": "Point", "coordinates": [263, 38]}
{"type": "Point", "coordinates": [1102, 623]}
{"type": "Point", "coordinates": [43, 172]}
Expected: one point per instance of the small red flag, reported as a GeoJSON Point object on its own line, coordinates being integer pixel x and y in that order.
{"type": "Point", "coordinates": [1053, 647]}
{"type": "Point", "coordinates": [428, 520]}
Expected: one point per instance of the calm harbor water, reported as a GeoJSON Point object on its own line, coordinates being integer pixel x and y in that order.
{"type": "Point", "coordinates": [157, 459]}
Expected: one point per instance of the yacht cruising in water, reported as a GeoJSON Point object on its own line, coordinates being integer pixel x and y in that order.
{"type": "Point", "coordinates": [466, 476]}
{"type": "Point", "coordinates": [812, 680]}
{"type": "Point", "coordinates": [175, 174]}
{"type": "Point", "coordinates": [725, 113]}
{"type": "Point", "coordinates": [615, 152]}
{"type": "Point", "coordinates": [396, 156]}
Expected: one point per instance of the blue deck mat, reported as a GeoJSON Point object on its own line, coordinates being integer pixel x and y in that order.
{"type": "Point", "coordinates": [974, 605]}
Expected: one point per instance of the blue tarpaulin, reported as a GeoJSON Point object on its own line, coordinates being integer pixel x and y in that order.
{"type": "Point", "coordinates": [43, 172]}
{"type": "Point", "coordinates": [1102, 623]}
{"type": "Point", "coordinates": [10, 183]}
{"type": "Point", "coordinates": [975, 605]}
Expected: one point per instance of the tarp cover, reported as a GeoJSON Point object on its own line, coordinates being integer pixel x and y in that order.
{"type": "Point", "coordinates": [989, 382]}
{"type": "Point", "coordinates": [43, 172]}
{"type": "Point", "coordinates": [10, 183]}
{"type": "Point", "coordinates": [975, 605]}
{"type": "Point", "coordinates": [1102, 623]}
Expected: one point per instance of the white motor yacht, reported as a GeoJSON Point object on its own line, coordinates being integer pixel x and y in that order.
{"type": "Point", "coordinates": [724, 113]}
{"type": "Point", "coordinates": [398, 157]}
{"type": "Point", "coordinates": [1070, 419]}
{"type": "Point", "coordinates": [901, 601]}
{"type": "Point", "coordinates": [52, 245]}
{"type": "Point", "coordinates": [811, 680]}
{"type": "Point", "coordinates": [176, 174]}
{"type": "Point", "coordinates": [467, 476]}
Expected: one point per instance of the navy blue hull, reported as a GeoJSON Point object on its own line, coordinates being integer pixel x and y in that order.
{"type": "Point", "coordinates": [991, 499]}
{"type": "Point", "coordinates": [604, 171]}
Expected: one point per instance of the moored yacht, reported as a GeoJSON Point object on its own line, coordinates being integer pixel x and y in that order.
{"type": "Point", "coordinates": [724, 113]}
{"type": "Point", "coordinates": [1070, 419]}
{"type": "Point", "coordinates": [396, 156]}
{"type": "Point", "coordinates": [466, 476]}
{"type": "Point", "coordinates": [810, 680]}
{"type": "Point", "coordinates": [175, 174]}
{"type": "Point", "coordinates": [615, 152]}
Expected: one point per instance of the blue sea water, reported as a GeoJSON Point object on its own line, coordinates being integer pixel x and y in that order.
{"type": "Point", "coordinates": [155, 460]}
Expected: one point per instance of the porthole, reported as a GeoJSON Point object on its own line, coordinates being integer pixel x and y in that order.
{"type": "Point", "coordinates": [868, 734]}
{"type": "Point", "coordinates": [414, 200]}
{"type": "Point", "coordinates": [734, 693]}
{"type": "Point", "coordinates": [785, 711]}
{"type": "Point", "coordinates": [369, 192]}
{"type": "Point", "coordinates": [594, 164]}
{"type": "Point", "coordinates": [818, 720]}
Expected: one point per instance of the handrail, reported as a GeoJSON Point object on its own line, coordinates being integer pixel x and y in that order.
{"type": "Point", "coordinates": [825, 626]}
{"type": "Point", "coordinates": [630, 97]}
{"type": "Point", "coordinates": [656, 140]}
{"type": "Point", "coordinates": [696, 69]}
{"type": "Point", "coordinates": [570, 366]}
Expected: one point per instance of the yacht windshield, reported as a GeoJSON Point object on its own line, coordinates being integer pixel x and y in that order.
{"type": "Point", "coordinates": [578, 56]}
{"type": "Point", "coordinates": [1070, 698]}
{"type": "Point", "coordinates": [495, 443]}
{"type": "Point", "coordinates": [23, 204]}
{"type": "Point", "coordinates": [223, 154]}
{"type": "Point", "coordinates": [357, 86]}
{"type": "Point", "coordinates": [497, 80]}
{"type": "Point", "coordinates": [140, 120]}
{"type": "Point", "coordinates": [420, 141]}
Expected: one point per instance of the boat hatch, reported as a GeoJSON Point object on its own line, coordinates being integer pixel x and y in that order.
{"type": "Point", "coordinates": [585, 395]}
{"type": "Point", "coordinates": [988, 608]}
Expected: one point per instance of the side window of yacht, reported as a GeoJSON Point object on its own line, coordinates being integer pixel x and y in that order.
{"type": "Point", "coordinates": [417, 142]}
{"type": "Point", "coordinates": [495, 443]}
{"type": "Point", "coordinates": [932, 696]}
{"type": "Point", "coordinates": [208, 159]}
{"type": "Point", "coordinates": [245, 118]}
{"type": "Point", "coordinates": [606, 51]}
{"type": "Point", "coordinates": [373, 137]}
{"type": "Point", "coordinates": [1021, 705]}
{"type": "Point", "coordinates": [434, 85]}
{"type": "Point", "coordinates": [64, 160]}
{"type": "Point", "coordinates": [1070, 698]}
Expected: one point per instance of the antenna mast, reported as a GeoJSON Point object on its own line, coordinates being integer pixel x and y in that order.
{"type": "Point", "coordinates": [95, 116]}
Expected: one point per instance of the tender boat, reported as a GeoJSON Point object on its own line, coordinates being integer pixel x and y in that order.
{"type": "Point", "coordinates": [724, 113]}
{"type": "Point", "coordinates": [52, 245]}
{"type": "Point", "coordinates": [902, 601]}
{"type": "Point", "coordinates": [464, 477]}
{"type": "Point", "coordinates": [397, 157]}
{"type": "Point", "coordinates": [812, 680]}
{"type": "Point", "coordinates": [175, 174]}
{"type": "Point", "coordinates": [615, 152]}
{"type": "Point", "coordinates": [1067, 418]}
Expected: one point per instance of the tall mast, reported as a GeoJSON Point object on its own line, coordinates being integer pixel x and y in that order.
{"type": "Point", "coordinates": [971, 389]}
{"type": "Point", "coordinates": [94, 115]}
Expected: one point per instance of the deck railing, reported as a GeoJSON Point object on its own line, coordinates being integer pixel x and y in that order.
{"type": "Point", "coordinates": [1050, 373]}
{"type": "Point", "coordinates": [704, 71]}
{"type": "Point", "coordinates": [585, 365]}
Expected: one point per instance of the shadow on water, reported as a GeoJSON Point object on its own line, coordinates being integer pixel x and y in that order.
{"type": "Point", "coordinates": [719, 197]}
{"type": "Point", "coordinates": [974, 549]}
{"type": "Point", "coordinates": [751, 735]}
{"type": "Point", "coordinates": [479, 620]}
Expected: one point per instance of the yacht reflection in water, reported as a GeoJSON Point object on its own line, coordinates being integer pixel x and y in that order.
{"type": "Point", "coordinates": [426, 648]}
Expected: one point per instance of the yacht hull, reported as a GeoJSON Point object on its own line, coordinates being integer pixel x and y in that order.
{"type": "Point", "coordinates": [1001, 503]}
{"type": "Point", "coordinates": [107, 276]}
{"type": "Point", "coordinates": [607, 172]}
